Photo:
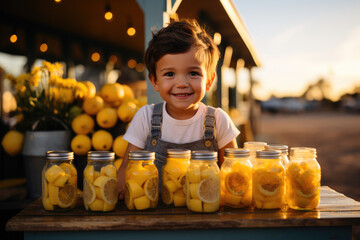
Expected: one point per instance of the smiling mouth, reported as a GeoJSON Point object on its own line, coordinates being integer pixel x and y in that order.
{"type": "Point", "coordinates": [182, 94]}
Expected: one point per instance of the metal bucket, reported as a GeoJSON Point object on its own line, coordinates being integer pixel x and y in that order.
{"type": "Point", "coordinates": [36, 144]}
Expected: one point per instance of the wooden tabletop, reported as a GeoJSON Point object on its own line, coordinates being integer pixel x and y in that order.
{"type": "Point", "coordinates": [335, 209]}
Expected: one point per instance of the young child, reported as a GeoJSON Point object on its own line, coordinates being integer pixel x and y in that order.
{"type": "Point", "coordinates": [181, 60]}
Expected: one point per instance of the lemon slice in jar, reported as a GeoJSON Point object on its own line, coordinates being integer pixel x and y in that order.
{"type": "Point", "coordinates": [89, 192]}
{"type": "Point", "coordinates": [209, 190]}
{"type": "Point", "coordinates": [67, 196]}
{"type": "Point", "coordinates": [129, 201]}
{"type": "Point", "coordinates": [269, 184]}
{"type": "Point", "coordinates": [167, 196]}
{"type": "Point", "coordinates": [151, 187]}
{"type": "Point", "coordinates": [236, 183]}
{"type": "Point", "coordinates": [109, 190]}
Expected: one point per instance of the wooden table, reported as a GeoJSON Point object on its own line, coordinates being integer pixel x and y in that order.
{"type": "Point", "coordinates": [333, 219]}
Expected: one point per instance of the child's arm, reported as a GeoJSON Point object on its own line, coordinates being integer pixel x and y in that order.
{"type": "Point", "coordinates": [121, 172]}
{"type": "Point", "coordinates": [221, 153]}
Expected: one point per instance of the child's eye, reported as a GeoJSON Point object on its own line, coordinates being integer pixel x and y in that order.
{"type": "Point", "coordinates": [194, 74]}
{"type": "Point", "coordinates": [169, 74]}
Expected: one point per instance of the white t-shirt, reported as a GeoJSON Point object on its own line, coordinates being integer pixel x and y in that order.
{"type": "Point", "coordinates": [180, 131]}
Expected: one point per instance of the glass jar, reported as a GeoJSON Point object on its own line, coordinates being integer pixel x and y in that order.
{"type": "Point", "coordinates": [284, 152]}
{"type": "Point", "coordinates": [141, 181]}
{"type": "Point", "coordinates": [253, 147]}
{"type": "Point", "coordinates": [59, 181]}
{"type": "Point", "coordinates": [173, 177]}
{"type": "Point", "coordinates": [236, 178]}
{"type": "Point", "coordinates": [268, 180]}
{"type": "Point", "coordinates": [303, 175]}
{"type": "Point", "coordinates": [100, 182]}
{"type": "Point", "coordinates": [203, 182]}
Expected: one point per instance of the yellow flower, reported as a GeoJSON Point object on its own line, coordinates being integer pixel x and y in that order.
{"type": "Point", "coordinates": [66, 95]}
{"type": "Point", "coordinates": [11, 78]}
{"type": "Point", "coordinates": [35, 79]}
{"type": "Point", "coordinates": [20, 87]}
{"type": "Point", "coordinates": [80, 90]}
{"type": "Point", "coordinates": [22, 78]}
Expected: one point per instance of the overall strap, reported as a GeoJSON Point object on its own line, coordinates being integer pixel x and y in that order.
{"type": "Point", "coordinates": [156, 121]}
{"type": "Point", "coordinates": [209, 125]}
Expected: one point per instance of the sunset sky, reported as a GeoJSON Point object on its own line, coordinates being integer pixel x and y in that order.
{"type": "Point", "coordinates": [300, 41]}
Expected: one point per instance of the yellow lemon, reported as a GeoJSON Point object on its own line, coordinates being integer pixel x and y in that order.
{"type": "Point", "coordinates": [102, 140]}
{"type": "Point", "coordinates": [118, 163]}
{"type": "Point", "coordinates": [135, 189]}
{"type": "Point", "coordinates": [81, 144]}
{"type": "Point", "coordinates": [119, 146]}
{"type": "Point", "coordinates": [142, 100]}
{"type": "Point", "coordinates": [128, 198]}
{"type": "Point", "coordinates": [91, 89]}
{"type": "Point", "coordinates": [142, 203]}
{"type": "Point", "coordinates": [53, 194]}
{"type": "Point", "coordinates": [209, 190]}
{"type": "Point", "coordinates": [93, 105]}
{"type": "Point", "coordinates": [236, 183]}
{"type": "Point", "coordinates": [106, 117]}
{"type": "Point", "coordinates": [97, 205]}
{"type": "Point", "coordinates": [13, 142]}
{"type": "Point", "coordinates": [170, 185]}
{"type": "Point", "coordinates": [269, 184]}
{"type": "Point", "coordinates": [211, 207]}
{"type": "Point", "coordinates": [53, 173]}
{"type": "Point", "coordinates": [193, 187]}
{"type": "Point", "coordinates": [208, 171]}
{"type": "Point", "coordinates": [151, 188]}
{"type": "Point", "coordinates": [231, 199]}
{"type": "Point", "coordinates": [167, 196]}
{"type": "Point", "coordinates": [100, 180]}
{"type": "Point", "coordinates": [89, 173]}
{"type": "Point", "coordinates": [83, 124]}
{"type": "Point", "coordinates": [89, 192]}
{"type": "Point", "coordinates": [112, 93]}
{"type": "Point", "coordinates": [109, 207]}
{"type": "Point", "coordinates": [68, 168]}
{"type": "Point", "coordinates": [195, 205]}
{"type": "Point", "coordinates": [126, 111]}
{"type": "Point", "coordinates": [141, 174]}
{"type": "Point", "coordinates": [109, 190]}
{"type": "Point", "coordinates": [129, 94]}
{"type": "Point", "coordinates": [47, 204]}
{"type": "Point", "coordinates": [179, 198]}
{"type": "Point", "coordinates": [194, 175]}
{"type": "Point", "coordinates": [61, 180]}
{"type": "Point", "coordinates": [109, 170]}
{"type": "Point", "coordinates": [67, 196]}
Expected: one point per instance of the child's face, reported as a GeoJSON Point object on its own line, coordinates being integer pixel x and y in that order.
{"type": "Point", "coordinates": [181, 81]}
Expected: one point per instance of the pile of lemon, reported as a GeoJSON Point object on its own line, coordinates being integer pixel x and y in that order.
{"type": "Point", "coordinates": [101, 112]}
{"type": "Point", "coordinates": [59, 187]}
{"type": "Point", "coordinates": [203, 188]}
{"type": "Point", "coordinates": [173, 182]}
{"type": "Point", "coordinates": [100, 188]}
{"type": "Point", "coordinates": [141, 186]}
{"type": "Point", "coordinates": [236, 185]}
{"type": "Point", "coordinates": [303, 185]}
{"type": "Point", "coordinates": [268, 186]}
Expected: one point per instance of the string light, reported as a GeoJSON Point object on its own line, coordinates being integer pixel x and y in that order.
{"type": "Point", "coordinates": [13, 38]}
{"type": "Point", "coordinates": [132, 63]}
{"type": "Point", "coordinates": [95, 56]}
{"type": "Point", "coordinates": [108, 14]}
{"type": "Point", "coordinates": [131, 31]}
{"type": "Point", "coordinates": [217, 38]}
{"type": "Point", "coordinates": [57, 1]}
{"type": "Point", "coordinates": [43, 47]}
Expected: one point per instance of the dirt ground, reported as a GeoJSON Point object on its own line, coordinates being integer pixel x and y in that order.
{"type": "Point", "coordinates": [336, 136]}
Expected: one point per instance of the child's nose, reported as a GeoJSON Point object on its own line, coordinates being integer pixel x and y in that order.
{"type": "Point", "coordinates": [182, 81]}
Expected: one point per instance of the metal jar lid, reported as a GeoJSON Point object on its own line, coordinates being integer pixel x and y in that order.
{"type": "Point", "coordinates": [237, 152]}
{"type": "Point", "coordinates": [204, 155]}
{"type": "Point", "coordinates": [268, 154]}
{"type": "Point", "coordinates": [59, 155]}
{"type": "Point", "coordinates": [178, 153]}
{"type": "Point", "coordinates": [280, 147]}
{"type": "Point", "coordinates": [140, 155]}
{"type": "Point", "coordinates": [101, 156]}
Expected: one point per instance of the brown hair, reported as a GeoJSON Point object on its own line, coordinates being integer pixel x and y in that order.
{"type": "Point", "coordinates": [179, 37]}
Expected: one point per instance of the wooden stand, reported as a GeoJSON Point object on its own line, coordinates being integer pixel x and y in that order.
{"type": "Point", "coordinates": [333, 219]}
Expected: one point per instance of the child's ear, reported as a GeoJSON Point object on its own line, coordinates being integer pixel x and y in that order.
{"type": "Point", "coordinates": [154, 82]}
{"type": "Point", "coordinates": [210, 81]}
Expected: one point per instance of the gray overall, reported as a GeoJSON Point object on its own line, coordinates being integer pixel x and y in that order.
{"type": "Point", "coordinates": [155, 144]}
